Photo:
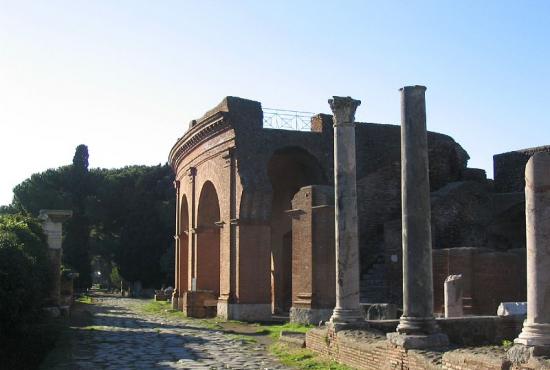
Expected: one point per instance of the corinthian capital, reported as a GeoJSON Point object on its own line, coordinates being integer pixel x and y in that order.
{"type": "Point", "coordinates": [343, 109]}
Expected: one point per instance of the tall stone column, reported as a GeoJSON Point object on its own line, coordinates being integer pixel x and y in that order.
{"type": "Point", "coordinates": [417, 327]}
{"type": "Point", "coordinates": [345, 198]}
{"type": "Point", "coordinates": [192, 258]}
{"type": "Point", "coordinates": [177, 287]}
{"type": "Point", "coordinates": [52, 221]}
{"type": "Point", "coordinates": [536, 328]}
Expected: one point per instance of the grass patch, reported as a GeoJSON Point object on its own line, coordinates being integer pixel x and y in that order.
{"type": "Point", "coordinates": [302, 358]}
{"type": "Point", "coordinates": [507, 343]}
{"type": "Point", "coordinates": [85, 299]}
{"type": "Point", "coordinates": [160, 308]}
{"type": "Point", "coordinates": [244, 338]}
{"type": "Point", "coordinates": [274, 330]}
{"type": "Point", "coordinates": [213, 323]}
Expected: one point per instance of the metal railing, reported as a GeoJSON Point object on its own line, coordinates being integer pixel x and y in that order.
{"type": "Point", "coordinates": [287, 119]}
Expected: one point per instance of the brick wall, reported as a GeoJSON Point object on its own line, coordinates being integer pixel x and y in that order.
{"type": "Point", "coordinates": [509, 169]}
{"type": "Point", "coordinates": [490, 277]}
{"type": "Point", "coordinates": [368, 354]}
{"type": "Point", "coordinates": [374, 352]}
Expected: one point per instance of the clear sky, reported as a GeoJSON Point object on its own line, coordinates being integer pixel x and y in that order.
{"type": "Point", "coordinates": [126, 77]}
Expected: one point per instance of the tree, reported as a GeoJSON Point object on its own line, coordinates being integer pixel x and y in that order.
{"type": "Point", "coordinates": [123, 215]}
{"type": "Point", "coordinates": [25, 283]}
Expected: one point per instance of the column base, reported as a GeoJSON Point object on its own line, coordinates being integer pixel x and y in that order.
{"type": "Point", "coordinates": [244, 311]}
{"type": "Point", "coordinates": [522, 354]}
{"type": "Point", "coordinates": [417, 325]}
{"type": "Point", "coordinates": [411, 341]}
{"type": "Point", "coordinates": [304, 315]}
{"type": "Point", "coordinates": [537, 335]}
{"type": "Point", "coordinates": [346, 316]}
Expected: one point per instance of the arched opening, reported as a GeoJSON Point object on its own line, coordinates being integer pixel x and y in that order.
{"type": "Point", "coordinates": [208, 240]}
{"type": "Point", "coordinates": [289, 169]}
{"type": "Point", "coordinates": [183, 255]}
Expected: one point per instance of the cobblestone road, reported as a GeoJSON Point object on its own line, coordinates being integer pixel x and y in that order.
{"type": "Point", "coordinates": [123, 338]}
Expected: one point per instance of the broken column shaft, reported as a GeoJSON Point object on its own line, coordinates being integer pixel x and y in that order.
{"type": "Point", "coordinates": [345, 198]}
{"type": "Point", "coordinates": [536, 328]}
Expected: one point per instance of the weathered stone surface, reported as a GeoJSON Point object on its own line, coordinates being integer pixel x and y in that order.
{"type": "Point", "coordinates": [311, 316]}
{"type": "Point", "coordinates": [411, 341]}
{"type": "Point", "coordinates": [460, 214]}
{"type": "Point", "coordinates": [381, 311]}
{"type": "Point", "coordinates": [512, 309]}
{"type": "Point", "coordinates": [453, 292]}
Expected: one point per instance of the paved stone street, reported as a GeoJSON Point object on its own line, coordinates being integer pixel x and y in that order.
{"type": "Point", "coordinates": [122, 337]}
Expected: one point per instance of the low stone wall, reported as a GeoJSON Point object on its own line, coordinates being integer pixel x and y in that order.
{"type": "Point", "coordinates": [369, 350]}
{"type": "Point", "coordinates": [468, 330]}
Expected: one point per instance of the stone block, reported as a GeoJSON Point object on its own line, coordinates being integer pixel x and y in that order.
{"type": "Point", "coordinates": [512, 309]}
{"type": "Point", "coordinates": [309, 315]}
{"type": "Point", "coordinates": [381, 311]}
{"type": "Point", "coordinates": [407, 341]}
{"type": "Point", "coordinates": [453, 292]}
{"type": "Point", "coordinates": [194, 304]}
{"type": "Point", "coordinates": [293, 338]}
{"type": "Point", "coordinates": [160, 297]}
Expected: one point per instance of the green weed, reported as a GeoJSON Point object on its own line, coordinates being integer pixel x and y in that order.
{"type": "Point", "coordinates": [302, 358]}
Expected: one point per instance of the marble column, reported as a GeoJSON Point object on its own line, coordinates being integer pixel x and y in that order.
{"type": "Point", "coordinates": [52, 221]}
{"type": "Point", "coordinates": [347, 308]}
{"type": "Point", "coordinates": [536, 328]}
{"type": "Point", "coordinates": [417, 327]}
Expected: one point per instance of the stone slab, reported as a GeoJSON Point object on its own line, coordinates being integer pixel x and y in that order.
{"type": "Point", "coordinates": [438, 340]}
{"type": "Point", "coordinates": [512, 309]}
{"type": "Point", "coordinates": [312, 316]}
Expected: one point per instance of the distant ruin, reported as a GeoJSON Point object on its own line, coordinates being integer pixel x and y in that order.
{"type": "Point", "coordinates": [245, 226]}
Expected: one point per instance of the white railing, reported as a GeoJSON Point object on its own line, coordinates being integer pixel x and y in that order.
{"type": "Point", "coordinates": [287, 119]}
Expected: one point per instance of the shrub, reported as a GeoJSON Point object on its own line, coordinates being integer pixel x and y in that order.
{"type": "Point", "coordinates": [24, 271]}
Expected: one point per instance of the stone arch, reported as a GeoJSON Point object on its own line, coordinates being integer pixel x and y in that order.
{"type": "Point", "coordinates": [208, 240]}
{"type": "Point", "coordinates": [288, 169]}
{"type": "Point", "coordinates": [183, 273]}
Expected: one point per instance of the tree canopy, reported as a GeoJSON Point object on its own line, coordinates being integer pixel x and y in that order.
{"type": "Point", "coordinates": [123, 215]}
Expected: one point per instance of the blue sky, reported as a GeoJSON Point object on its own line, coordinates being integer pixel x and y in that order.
{"type": "Point", "coordinates": [126, 77]}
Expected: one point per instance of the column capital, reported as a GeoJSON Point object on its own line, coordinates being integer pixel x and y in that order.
{"type": "Point", "coordinates": [55, 215]}
{"type": "Point", "coordinates": [343, 109]}
{"type": "Point", "coordinates": [177, 185]}
{"type": "Point", "coordinates": [192, 172]}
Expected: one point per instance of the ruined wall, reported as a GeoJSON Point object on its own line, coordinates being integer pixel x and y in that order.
{"type": "Point", "coordinates": [379, 179]}
{"type": "Point", "coordinates": [490, 277]}
{"type": "Point", "coordinates": [371, 351]}
{"type": "Point", "coordinates": [229, 147]}
{"type": "Point", "coordinates": [509, 169]}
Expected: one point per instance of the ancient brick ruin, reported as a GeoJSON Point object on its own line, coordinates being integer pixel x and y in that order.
{"type": "Point", "coordinates": [255, 219]}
